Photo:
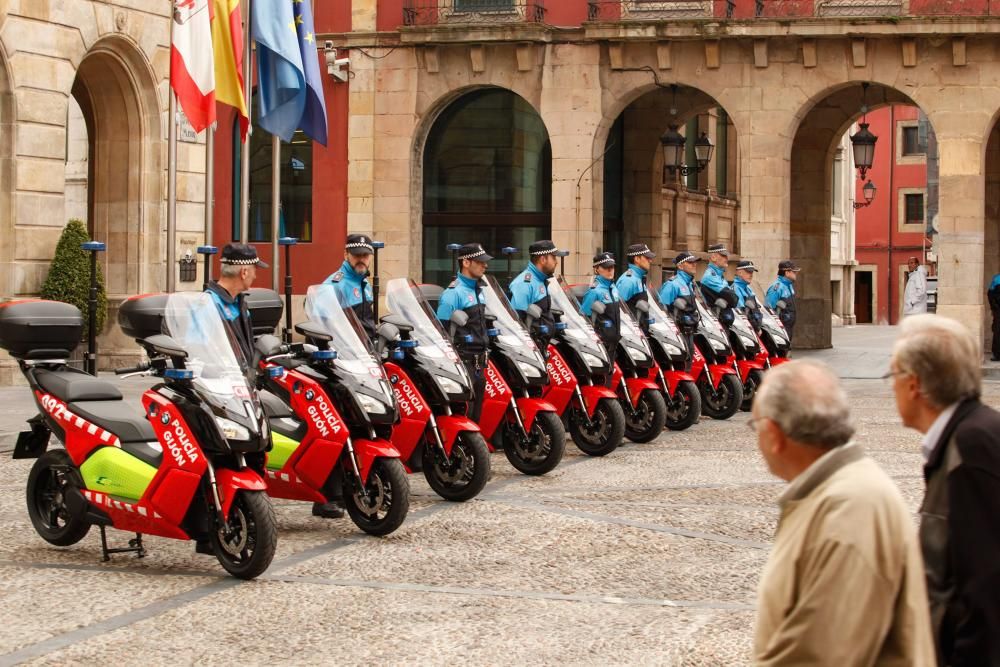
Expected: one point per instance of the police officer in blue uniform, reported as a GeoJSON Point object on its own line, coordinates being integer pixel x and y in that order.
{"type": "Point", "coordinates": [530, 287]}
{"type": "Point", "coordinates": [714, 285]}
{"type": "Point", "coordinates": [747, 298]}
{"type": "Point", "coordinates": [632, 284]}
{"type": "Point", "coordinates": [681, 286]}
{"type": "Point", "coordinates": [783, 289]}
{"type": "Point", "coordinates": [993, 296]}
{"type": "Point", "coordinates": [239, 270]}
{"type": "Point", "coordinates": [603, 289]}
{"type": "Point", "coordinates": [465, 293]}
{"type": "Point", "coordinates": [351, 281]}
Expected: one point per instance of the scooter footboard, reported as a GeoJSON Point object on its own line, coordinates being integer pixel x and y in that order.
{"type": "Point", "coordinates": [530, 407]}
{"type": "Point", "coordinates": [636, 386]}
{"type": "Point", "coordinates": [592, 395]}
{"type": "Point", "coordinates": [674, 379]}
{"type": "Point", "coordinates": [747, 366]}
{"type": "Point", "coordinates": [718, 371]}
{"type": "Point", "coordinates": [451, 426]}
{"type": "Point", "coordinates": [232, 481]}
{"type": "Point", "coordinates": [369, 450]}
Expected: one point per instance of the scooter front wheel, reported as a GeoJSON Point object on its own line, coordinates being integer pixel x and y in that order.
{"type": "Point", "coordinates": [684, 409]}
{"type": "Point", "coordinates": [246, 545]}
{"type": "Point", "coordinates": [722, 402]}
{"type": "Point", "coordinates": [48, 482]}
{"type": "Point", "coordinates": [750, 388]}
{"type": "Point", "coordinates": [462, 475]}
{"type": "Point", "coordinates": [542, 450]}
{"type": "Point", "coordinates": [381, 506]}
{"type": "Point", "coordinates": [605, 430]}
{"type": "Point", "coordinates": [648, 418]}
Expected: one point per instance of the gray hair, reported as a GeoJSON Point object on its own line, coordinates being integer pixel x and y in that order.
{"type": "Point", "coordinates": [231, 270]}
{"type": "Point", "coordinates": [806, 401]}
{"type": "Point", "coordinates": [944, 356]}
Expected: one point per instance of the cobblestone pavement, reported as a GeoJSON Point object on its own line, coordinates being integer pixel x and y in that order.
{"type": "Point", "coordinates": [649, 555]}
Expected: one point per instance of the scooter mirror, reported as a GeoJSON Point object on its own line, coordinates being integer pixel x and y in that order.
{"type": "Point", "coordinates": [388, 331]}
{"type": "Point", "coordinates": [459, 318]}
{"type": "Point", "coordinates": [782, 304]}
{"type": "Point", "coordinates": [314, 331]}
{"type": "Point", "coordinates": [680, 303]}
{"type": "Point", "coordinates": [165, 345]}
{"type": "Point", "coordinates": [534, 311]}
{"type": "Point", "coordinates": [642, 306]}
{"type": "Point", "coordinates": [556, 313]}
{"type": "Point", "coordinates": [267, 345]}
{"type": "Point", "coordinates": [751, 304]}
{"type": "Point", "coordinates": [721, 304]}
{"type": "Point", "coordinates": [598, 308]}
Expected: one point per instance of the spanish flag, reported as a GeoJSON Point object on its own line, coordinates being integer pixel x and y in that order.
{"type": "Point", "coordinates": [227, 41]}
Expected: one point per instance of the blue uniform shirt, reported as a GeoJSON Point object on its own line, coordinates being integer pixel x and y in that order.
{"type": "Point", "coordinates": [350, 286]}
{"type": "Point", "coordinates": [602, 290]}
{"type": "Point", "coordinates": [460, 295]}
{"type": "Point", "coordinates": [631, 284]}
{"type": "Point", "coordinates": [678, 286]}
{"type": "Point", "coordinates": [996, 282]}
{"type": "Point", "coordinates": [528, 287]}
{"type": "Point", "coordinates": [714, 278]}
{"type": "Point", "coordinates": [743, 292]}
{"type": "Point", "coordinates": [782, 288]}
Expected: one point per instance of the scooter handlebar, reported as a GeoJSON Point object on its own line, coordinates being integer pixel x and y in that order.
{"type": "Point", "coordinates": [141, 368]}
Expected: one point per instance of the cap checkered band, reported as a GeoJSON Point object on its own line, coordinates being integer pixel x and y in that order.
{"type": "Point", "coordinates": [546, 252]}
{"type": "Point", "coordinates": [722, 250]}
{"type": "Point", "coordinates": [641, 251]}
{"type": "Point", "coordinates": [686, 258]}
{"type": "Point", "coordinates": [241, 262]}
{"type": "Point", "coordinates": [359, 245]}
{"type": "Point", "coordinates": [478, 253]}
{"type": "Point", "coordinates": [748, 267]}
{"type": "Point", "coordinates": [606, 260]}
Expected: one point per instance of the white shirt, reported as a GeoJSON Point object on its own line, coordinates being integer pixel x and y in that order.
{"type": "Point", "coordinates": [915, 294]}
{"type": "Point", "coordinates": [934, 432]}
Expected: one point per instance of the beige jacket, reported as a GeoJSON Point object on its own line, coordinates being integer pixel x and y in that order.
{"type": "Point", "coordinates": [844, 584]}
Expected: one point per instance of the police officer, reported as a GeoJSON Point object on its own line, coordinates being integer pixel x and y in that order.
{"type": "Point", "coordinates": [682, 286]}
{"type": "Point", "coordinates": [783, 289]}
{"type": "Point", "coordinates": [993, 295]}
{"type": "Point", "coordinates": [239, 270]}
{"type": "Point", "coordinates": [530, 287]}
{"type": "Point", "coordinates": [746, 297]}
{"type": "Point", "coordinates": [713, 281]}
{"type": "Point", "coordinates": [351, 280]}
{"type": "Point", "coordinates": [632, 284]}
{"type": "Point", "coordinates": [465, 293]}
{"type": "Point", "coordinates": [603, 289]}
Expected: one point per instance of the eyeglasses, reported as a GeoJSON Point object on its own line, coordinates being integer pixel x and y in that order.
{"type": "Point", "coordinates": [752, 423]}
{"type": "Point", "coordinates": [890, 375]}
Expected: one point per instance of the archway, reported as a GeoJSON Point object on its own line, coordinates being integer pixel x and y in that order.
{"type": "Point", "coordinates": [670, 211]}
{"type": "Point", "coordinates": [991, 239]}
{"type": "Point", "coordinates": [6, 181]}
{"type": "Point", "coordinates": [487, 177]}
{"type": "Point", "coordinates": [812, 203]}
{"type": "Point", "coordinates": [116, 95]}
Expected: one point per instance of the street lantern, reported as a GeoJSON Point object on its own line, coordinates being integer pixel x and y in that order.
{"type": "Point", "coordinates": [868, 192]}
{"type": "Point", "coordinates": [673, 148]}
{"type": "Point", "coordinates": [703, 148]}
{"type": "Point", "coordinates": [863, 144]}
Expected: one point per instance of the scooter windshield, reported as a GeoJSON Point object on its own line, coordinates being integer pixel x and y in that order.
{"type": "Point", "coordinates": [709, 326]}
{"type": "Point", "coordinates": [578, 330]}
{"type": "Point", "coordinates": [192, 319]}
{"type": "Point", "coordinates": [354, 352]}
{"type": "Point", "coordinates": [773, 325]}
{"type": "Point", "coordinates": [513, 338]}
{"type": "Point", "coordinates": [405, 300]}
{"type": "Point", "coordinates": [662, 325]}
{"type": "Point", "coordinates": [632, 337]}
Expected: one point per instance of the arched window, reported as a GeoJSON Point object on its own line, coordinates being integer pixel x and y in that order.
{"type": "Point", "coordinates": [487, 178]}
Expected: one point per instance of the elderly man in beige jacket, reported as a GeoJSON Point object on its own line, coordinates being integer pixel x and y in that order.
{"type": "Point", "coordinates": [844, 584]}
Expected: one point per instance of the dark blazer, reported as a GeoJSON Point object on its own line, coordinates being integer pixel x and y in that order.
{"type": "Point", "coordinates": [960, 537]}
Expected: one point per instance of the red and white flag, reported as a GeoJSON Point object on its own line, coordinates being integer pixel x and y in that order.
{"type": "Point", "coordinates": [192, 69]}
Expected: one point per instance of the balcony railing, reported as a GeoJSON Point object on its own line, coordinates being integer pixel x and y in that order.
{"type": "Point", "coordinates": [472, 12]}
{"type": "Point", "coordinates": [658, 10]}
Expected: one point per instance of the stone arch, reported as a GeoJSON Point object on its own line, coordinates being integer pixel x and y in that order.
{"type": "Point", "coordinates": [820, 127]}
{"type": "Point", "coordinates": [116, 90]}
{"type": "Point", "coordinates": [8, 125]}
{"type": "Point", "coordinates": [991, 231]}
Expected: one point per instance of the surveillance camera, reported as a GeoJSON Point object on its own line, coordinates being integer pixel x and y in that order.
{"type": "Point", "coordinates": [335, 66]}
{"type": "Point", "coordinates": [328, 44]}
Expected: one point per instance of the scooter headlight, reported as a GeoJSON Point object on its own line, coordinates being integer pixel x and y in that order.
{"type": "Point", "coordinates": [231, 430]}
{"type": "Point", "coordinates": [448, 385]}
{"type": "Point", "coordinates": [672, 350]}
{"type": "Point", "coordinates": [747, 341]}
{"type": "Point", "coordinates": [636, 354]}
{"type": "Point", "coordinates": [592, 360]}
{"type": "Point", "coordinates": [529, 370]}
{"type": "Point", "coordinates": [716, 345]}
{"type": "Point", "coordinates": [370, 404]}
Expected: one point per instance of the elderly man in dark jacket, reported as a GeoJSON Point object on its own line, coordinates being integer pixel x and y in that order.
{"type": "Point", "coordinates": [936, 378]}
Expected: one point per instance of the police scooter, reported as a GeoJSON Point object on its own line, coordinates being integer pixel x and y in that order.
{"type": "Point", "coordinates": [635, 377]}
{"type": "Point", "coordinates": [579, 368]}
{"type": "Point", "coordinates": [749, 353]}
{"type": "Point", "coordinates": [774, 336]}
{"type": "Point", "coordinates": [434, 433]}
{"type": "Point", "coordinates": [714, 365]}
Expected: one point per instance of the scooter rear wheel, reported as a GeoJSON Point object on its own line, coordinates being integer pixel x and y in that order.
{"type": "Point", "coordinates": [648, 419]}
{"type": "Point", "coordinates": [603, 433]}
{"type": "Point", "coordinates": [464, 474]}
{"type": "Point", "coordinates": [253, 536]}
{"type": "Point", "coordinates": [750, 389]}
{"type": "Point", "coordinates": [724, 402]}
{"type": "Point", "coordinates": [50, 477]}
{"type": "Point", "coordinates": [684, 409]}
{"type": "Point", "coordinates": [383, 505]}
{"type": "Point", "coordinates": [544, 448]}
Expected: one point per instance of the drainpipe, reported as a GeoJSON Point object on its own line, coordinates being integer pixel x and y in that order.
{"type": "Point", "coordinates": [893, 205]}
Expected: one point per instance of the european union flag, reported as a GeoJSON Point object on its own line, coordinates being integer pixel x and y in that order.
{"type": "Point", "coordinates": [313, 120]}
{"type": "Point", "coordinates": [281, 81]}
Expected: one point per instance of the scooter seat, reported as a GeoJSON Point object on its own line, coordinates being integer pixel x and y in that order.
{"type": "Point", "coordinates": [72, 386]}
{"type": "Point", "coordinates": [121, 418]}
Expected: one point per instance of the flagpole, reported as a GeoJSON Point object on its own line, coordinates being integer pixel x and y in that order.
{"type": "Point", "coordinates": [275, 207]}
{"type": "Point", "coordinates": [245, 151]}
{"type": "Point", "coordinates": [209, 187]}
{"type": "Point", "coordinates": [172, 193]}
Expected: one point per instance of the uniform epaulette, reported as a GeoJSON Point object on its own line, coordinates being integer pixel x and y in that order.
{"type": "Point", "coordinates": [593, 281]}
{"type": "Point", "coordinates": [629, 273]}
{"type": "Point", "coordinates": [452, 284]}
{"type": "Point", "coordinates": [337, 277]}
{"type": "Point", "coordinates": [527, 277]}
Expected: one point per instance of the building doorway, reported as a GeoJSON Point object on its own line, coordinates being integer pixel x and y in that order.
{"type": "Point", "coordinates": [863, 297]}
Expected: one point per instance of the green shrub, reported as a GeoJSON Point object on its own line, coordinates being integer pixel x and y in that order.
{"type": "Point", "coordinates": [69, 276]}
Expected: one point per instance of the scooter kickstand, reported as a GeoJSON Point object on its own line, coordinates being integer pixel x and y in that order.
{"type": "Point", "coordinates": [134, 546]}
